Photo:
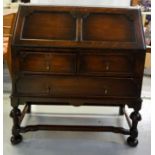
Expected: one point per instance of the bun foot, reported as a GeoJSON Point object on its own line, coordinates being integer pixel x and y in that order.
{"type": "Point", "coordinates": [132, 141]}
{"type": "Point", "coordinates": [16, 139]}
{"type": "Point", "coordinates": [13, 112]}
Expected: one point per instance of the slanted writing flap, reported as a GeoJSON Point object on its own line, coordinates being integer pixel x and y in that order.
{"type": "Point", "coordinates": [87, 27]}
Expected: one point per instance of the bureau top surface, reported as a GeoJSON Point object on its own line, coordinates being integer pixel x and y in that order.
{"type": "Point", "coordinates": [78, 27]}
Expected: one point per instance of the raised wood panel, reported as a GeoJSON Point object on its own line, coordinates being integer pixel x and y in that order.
{"type": "Point", "coordinates": [49, 25]}
{"type": "Point", "coordinates": [108, 27]}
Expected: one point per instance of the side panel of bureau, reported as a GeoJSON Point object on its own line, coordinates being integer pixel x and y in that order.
{"type": "Point", "coordinates": [100, 27]}
{"type": "Point", "coordinates": [52, 25]}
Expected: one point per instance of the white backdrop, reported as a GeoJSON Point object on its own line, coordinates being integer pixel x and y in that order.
{"type": "Point", "coordinates": [116, 3]}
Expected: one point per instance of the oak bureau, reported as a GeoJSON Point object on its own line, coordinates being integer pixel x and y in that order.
{"type": "Point", "coordinates": [65, 55]}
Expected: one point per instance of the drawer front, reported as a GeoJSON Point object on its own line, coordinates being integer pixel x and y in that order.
{"type": "Point", "coordinates": [106, 63]}
{"type": "Point", "coordinates": [34, 62]}
{"type": "Point", "coordinates": [48, 62]}
{"type": "Point", "coordinates": [66, 86]}
{"type": "Point", "coordinates": [93, 87]}
{"type": "Point", "coordinates": [63, 63]}
{"type": "Point", "coordinates": [32, 85]}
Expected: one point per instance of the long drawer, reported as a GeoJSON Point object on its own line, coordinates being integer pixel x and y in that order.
{"type": "Point", "coordinates": [76, 86]}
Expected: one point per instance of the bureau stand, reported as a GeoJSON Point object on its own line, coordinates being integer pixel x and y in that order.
{"type": "Point", "coordinates": [18, 116]}
{"type": "Point", "coordinates": [65, 55]}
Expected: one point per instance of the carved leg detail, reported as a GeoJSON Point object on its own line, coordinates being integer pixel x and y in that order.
{"type": "Point", "coordinates": [15, 114]}
{"type": "Point", "coordinates": [132, 140]}
{"type": "Point", "coordinates": [121, 110]}
{"type": "Point", "coordinates": [16, 139]}
{"type": "Point", "coordinates": [18, 113]}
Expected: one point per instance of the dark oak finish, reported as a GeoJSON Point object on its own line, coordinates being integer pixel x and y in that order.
{"type": "Point", "coordinates": [84, 87]}
{"type": "Point", "coordinates": [47, 62]}
{"type": "Point", "coordinates": [77, 56]}
{"type": "Point", "coordinates": [95, 30]}
{"type": "Point", "coordinates": [63, 27]}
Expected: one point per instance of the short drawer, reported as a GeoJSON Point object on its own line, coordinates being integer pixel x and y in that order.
{"type": "Point", "coordinates": [106, 63]}
{"type": "Point", "coordinates": [48, 62]}
{"type": "Point", "coordinates": [84, 87]}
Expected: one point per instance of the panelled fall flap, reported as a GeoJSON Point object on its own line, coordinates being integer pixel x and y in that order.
{"type": "Point", "coordinates": [80, 27]}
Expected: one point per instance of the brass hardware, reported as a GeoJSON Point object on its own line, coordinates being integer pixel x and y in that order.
{"type": "Point", "coordinates": [47, 67]}
{"type": "Point", "coordinates": [105, 91]}
{"type": "Point", "coordinates": [107, 67]}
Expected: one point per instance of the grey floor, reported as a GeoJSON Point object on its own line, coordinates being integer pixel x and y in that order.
{"type": "Point", "coordinates": [77, 143]}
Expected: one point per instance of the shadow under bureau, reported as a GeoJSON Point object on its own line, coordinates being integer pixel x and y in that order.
{"type": "Point", "coordinates": [77, 56]}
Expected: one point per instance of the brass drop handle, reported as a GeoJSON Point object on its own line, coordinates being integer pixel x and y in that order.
{"type": "Point", "coordinates": [47, 63]}
{"type": "Point", "coordinates": [105, 91]}
{"type": "Point", "coordinates": [107, 67]}
{"type": "Point", "coordinates": [47, 67]}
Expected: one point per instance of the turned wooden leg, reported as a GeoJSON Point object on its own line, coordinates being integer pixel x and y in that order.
{"type": "Point", "coordinates": [13, 1]}
{"type": "Point", "coordinates": [29, 108]}
{"type": "Point", "coordinates": [135, 117]}
{"type": "Point", "coordinates": [16, 137]}
{"type": "Point", "coordinates": [121, 110]}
